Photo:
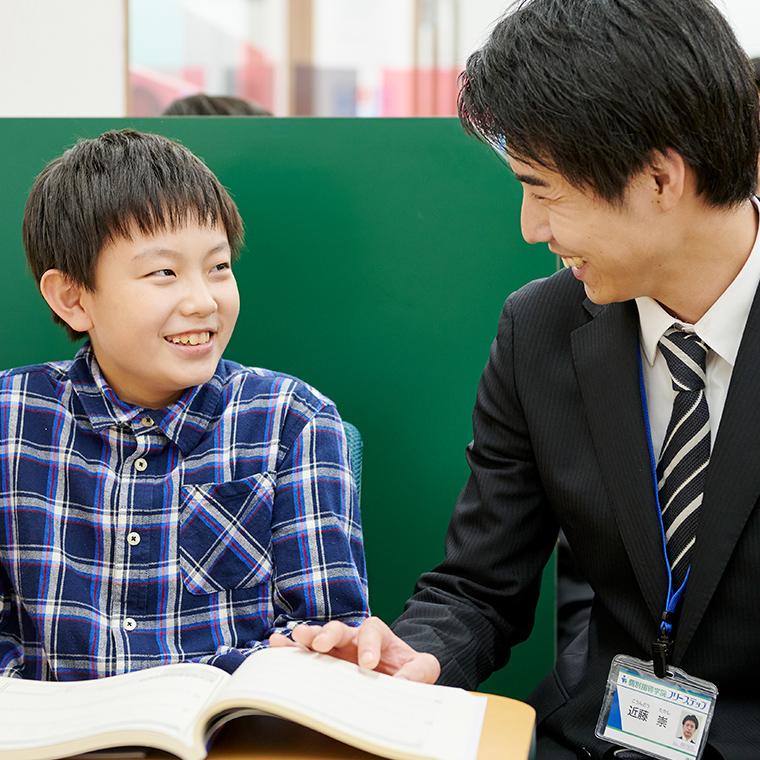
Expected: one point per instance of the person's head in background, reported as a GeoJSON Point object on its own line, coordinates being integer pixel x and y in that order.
{"type": "Point", "coordinates": [131, 239]}
{"type": "Point", "coordinates": [214, 105]}
{"type": "Point", "coordinates": [756, 68]}
{"type": "Point", "coordinates": [633, 127]}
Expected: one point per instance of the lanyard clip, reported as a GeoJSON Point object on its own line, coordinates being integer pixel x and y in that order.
{"type": "Point", "coordinates": [660, 655]}
{"type": "Point", "coordinates": [663, 646]}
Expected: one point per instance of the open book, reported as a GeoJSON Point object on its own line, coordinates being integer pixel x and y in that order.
{"type": "Point", "coordinates": [177, 708]}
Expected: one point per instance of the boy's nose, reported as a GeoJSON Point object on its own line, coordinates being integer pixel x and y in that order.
{"type": "Point", "coordinates": [199, 300]}
{"type": "Point", "coordinates": [534, 221]}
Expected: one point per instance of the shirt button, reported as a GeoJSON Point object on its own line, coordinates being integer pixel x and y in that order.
{"type": "Point", "coordinates": [147, 421]}
{"type": "Point", "coordinates": [140, 464]}
{"type": "Point", "coordinates": [130, 624]}
{"type": "Point", "coordinates": [133, 538]}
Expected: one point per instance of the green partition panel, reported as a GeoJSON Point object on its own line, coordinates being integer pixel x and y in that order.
{"type": "Point", "coordinates": [379, 253]}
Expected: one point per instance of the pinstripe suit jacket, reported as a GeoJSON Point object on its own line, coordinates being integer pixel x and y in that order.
{"type": "Point", "coordinates": [559, 440]}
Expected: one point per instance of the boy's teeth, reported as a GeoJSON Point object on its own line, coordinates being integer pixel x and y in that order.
{"type": "Point", "coordinates": [193, 339]}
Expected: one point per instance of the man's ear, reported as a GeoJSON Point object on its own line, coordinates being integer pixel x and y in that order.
{"type": "Point", "coordinates": [64, 297]}
{"type": "Point", "coordinates": [669, 175]}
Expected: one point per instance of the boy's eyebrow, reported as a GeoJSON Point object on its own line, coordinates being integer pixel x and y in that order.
{"type": "Point", "coordinates": [172, 254]}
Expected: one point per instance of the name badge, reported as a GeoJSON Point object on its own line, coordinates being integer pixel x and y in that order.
{"type": "Point", "coordinates": [667, 718]}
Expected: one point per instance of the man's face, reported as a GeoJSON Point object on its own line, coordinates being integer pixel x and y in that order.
{"type": "Point", "coordinates": [162, 312]}
{"type": "Point", "coordinates": [688, 729]}
{"type": "Point", "coordinates": [612, 249]}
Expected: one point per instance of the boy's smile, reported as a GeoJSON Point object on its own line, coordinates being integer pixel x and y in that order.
{"type": "Point", "coordinates": [162, 311]}
{"type": "Point", "coordinates": [201, 338]}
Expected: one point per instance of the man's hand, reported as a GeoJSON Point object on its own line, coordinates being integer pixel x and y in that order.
{"type": "Point", "coordinates": [372, 646]}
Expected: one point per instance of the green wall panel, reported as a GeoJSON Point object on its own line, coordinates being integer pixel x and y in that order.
{"type": "Point", "coordinates": [379, 253]}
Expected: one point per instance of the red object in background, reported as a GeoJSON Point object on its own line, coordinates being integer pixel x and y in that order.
{"type": "Point", "coordinates": [256, 77]}
{"type": "Point", "coordinates": [195, 75]}
{"type": "Point", "coordinates": [150, 91]}
{"type": "Point", "coordinates": [420, 92]}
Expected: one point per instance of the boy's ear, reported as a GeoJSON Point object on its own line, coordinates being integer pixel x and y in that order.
{"type": "Point", "coordinates": [64, 297]}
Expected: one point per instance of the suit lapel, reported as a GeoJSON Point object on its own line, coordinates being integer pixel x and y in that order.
{"type": "Point", "coordinates": [605, 352]}
{"type": "Point", "coordinates": [733, 483]}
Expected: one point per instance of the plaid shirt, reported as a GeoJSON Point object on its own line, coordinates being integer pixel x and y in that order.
{"type": "Point", "coordinates": [134, 537]}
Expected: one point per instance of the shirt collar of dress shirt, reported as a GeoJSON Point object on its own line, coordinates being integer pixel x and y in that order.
{"type": "Point", "coordinates": [182, 422]}
{"type": "Point", "coordinates": [722, 325]}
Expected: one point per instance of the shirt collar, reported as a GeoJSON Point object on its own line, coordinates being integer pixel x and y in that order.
{"type": "Point", "coordinates": [183, 422]}
{"type": "Point", "coordinates": [722, 325]}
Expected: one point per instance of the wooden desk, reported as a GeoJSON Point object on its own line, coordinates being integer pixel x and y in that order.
{"type": "Point", "coordinates": [508, 732]}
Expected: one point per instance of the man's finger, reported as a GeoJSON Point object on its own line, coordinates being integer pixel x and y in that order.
{"type": "Point", "coordinates": [372, 639]}
{"type": "Point", "coordinates": [333, 635]}
{"type": "Point", "coordinates": [278, 640]}
{"type": "Point", "coordinates": [304, 634]}
{"type": "Point", "coordinates": [423, 668]}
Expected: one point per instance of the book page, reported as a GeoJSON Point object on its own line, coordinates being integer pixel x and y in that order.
{"type": "Point", "coordinates": [388, 716]}
{"type": "Point", "coordinates": [163, 700]}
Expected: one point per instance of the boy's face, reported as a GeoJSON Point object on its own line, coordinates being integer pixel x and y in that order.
{"type": "Point", "coordinates": [616, 251]}
{"type": "Point", "coordinates": [162, 311]}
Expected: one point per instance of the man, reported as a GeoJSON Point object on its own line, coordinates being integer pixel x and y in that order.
{"type": "Point", "coordinates": [689, 726]}
{"type": "Point", "coordinates": [633, 128]}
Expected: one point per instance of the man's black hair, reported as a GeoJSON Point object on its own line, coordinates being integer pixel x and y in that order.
{"type": "Point", "coordinates": [104, 188]}
{"type": "Point", "coordinates": [590, 88]}
{"type": "Point", "coordinates": [693, 719]}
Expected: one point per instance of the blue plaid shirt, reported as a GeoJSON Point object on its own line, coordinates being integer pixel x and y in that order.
{"type": "Point", "coordinates": [134, 537]}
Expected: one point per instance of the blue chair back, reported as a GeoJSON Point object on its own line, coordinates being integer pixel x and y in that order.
{"type": "Point", "coordinates": [355, 448]}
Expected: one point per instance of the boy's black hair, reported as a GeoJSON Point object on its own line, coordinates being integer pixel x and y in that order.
{"type": "Point", "coordinates": [104, 188]}
{"type": "Point", "coordinates": [589, 88]}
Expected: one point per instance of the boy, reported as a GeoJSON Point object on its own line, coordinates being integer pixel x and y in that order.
{"type": "Point", "coordinates": [619, 401]}
{"type": "Point", "coordinates": [158, 503]}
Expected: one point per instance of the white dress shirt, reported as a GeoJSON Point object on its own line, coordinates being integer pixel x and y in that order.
{"type": "Point", "coordinates": [721, 327]}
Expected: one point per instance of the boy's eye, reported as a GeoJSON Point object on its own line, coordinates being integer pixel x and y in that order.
{"type": "Point", "coordinates": [222, 267]}
{"type": "Point", "coordinates": [163, 273]}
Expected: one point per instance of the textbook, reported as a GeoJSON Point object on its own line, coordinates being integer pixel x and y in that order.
{"type": "Point", "coordinates": [178, 709]}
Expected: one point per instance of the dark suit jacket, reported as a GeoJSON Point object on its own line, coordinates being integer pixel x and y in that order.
{"type": "Point", "coordinates": [559, 440]}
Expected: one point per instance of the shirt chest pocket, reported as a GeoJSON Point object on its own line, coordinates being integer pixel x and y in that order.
{"type": "Point", "coordinates": [225, 534]}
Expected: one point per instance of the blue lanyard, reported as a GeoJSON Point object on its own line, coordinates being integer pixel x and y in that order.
{"type": "Point", "coordinates": [662, 647]}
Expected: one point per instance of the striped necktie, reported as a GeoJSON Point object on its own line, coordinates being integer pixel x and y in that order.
{"type": "Point", "coordinates": [685, 454]}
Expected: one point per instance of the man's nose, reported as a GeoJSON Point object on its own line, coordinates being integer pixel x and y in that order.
{"type": "Point", "coordinates": [534, 221]}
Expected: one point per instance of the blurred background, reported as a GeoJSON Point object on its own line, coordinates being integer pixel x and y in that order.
{"type": "Point", "coordinates": [291, 57]}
